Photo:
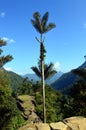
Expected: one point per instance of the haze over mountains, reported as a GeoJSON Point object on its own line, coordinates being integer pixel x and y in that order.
{"type": "Point", "coordinates": [52, 79]}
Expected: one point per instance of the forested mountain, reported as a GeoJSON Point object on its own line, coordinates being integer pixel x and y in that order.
{"type": "Point", "coordinates": [14, 79]}
{"type": "Point", "coordinates": [67, 80]}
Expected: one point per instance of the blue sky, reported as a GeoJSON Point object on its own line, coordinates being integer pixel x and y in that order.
{"type": "Point", "coordinates": [65, 44]}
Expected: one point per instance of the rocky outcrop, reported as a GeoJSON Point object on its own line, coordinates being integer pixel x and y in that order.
{"type": "Point", "coordinates": [72, 123]}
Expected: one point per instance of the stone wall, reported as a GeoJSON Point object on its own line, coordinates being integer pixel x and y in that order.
{"type": "Point", "coordinates": [72, 123]}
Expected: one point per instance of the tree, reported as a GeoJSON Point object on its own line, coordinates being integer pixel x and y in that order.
{"type": "Point", "coordinates": [4, 59]}
{"type": "Point", "coordinates": [41, 26]}
{"type": "Point", "coordinates": [80, 72]}
{"type": "Point", "coordinates": [48, 70]}
{"type": "Point", "coordinates": [25, 88]}
{"type": "Point", "coordinates": [78, 92]}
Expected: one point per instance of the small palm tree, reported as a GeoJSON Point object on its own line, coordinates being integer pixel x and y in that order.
{"type": "Point", "coordinates": [4, 59]}
{"type": "Point", "coordinates": [42, 27]}
{"type": "Point", "coordinates": [48, 70]}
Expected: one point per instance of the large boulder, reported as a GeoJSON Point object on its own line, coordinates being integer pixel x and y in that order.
{"type": "Point", "coordinates": [43, 126]}
{"type": "Point", "coordinates": [76, 123]}
{"type": "Point", "coordinates": [59, 126]}
{"type": "Point", "coordinates": [28, 127]}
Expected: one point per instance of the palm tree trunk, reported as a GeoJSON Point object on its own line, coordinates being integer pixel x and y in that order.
{"type": "Point", "coordinates": [42, 79]}
{"type": "Point", "coordinates": [43, 86]}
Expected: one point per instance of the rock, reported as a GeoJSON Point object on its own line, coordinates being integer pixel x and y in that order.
{"type": "Point", "coordinates": [42, 126]}
{"type": "Point", "coordinates": [59, 126]}
{"type": "Point", "coordinates": [29, 127]}
{"type": "Point", "coordinates": [73, 126]}
{"type": "Point", "coordinates": [76, 123]}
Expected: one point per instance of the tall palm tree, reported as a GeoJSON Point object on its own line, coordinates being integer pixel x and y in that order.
{"type": "Point", "coordinates": [48, 70]}
{"type": "Point", "coordinates": [42, 27]}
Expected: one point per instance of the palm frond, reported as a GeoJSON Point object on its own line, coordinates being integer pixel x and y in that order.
{"type": "Point", "coordinates": [50, 26]}
{"type": "Point", "coordinates": [37, 16]}
{"type": "Point", "coordinates": [40, 24]}
{"type": "Point", "coordinates": [2, 43]}
{"type": "Point", "coordinates": [37, 71]}
{"type": "Point", "coordinates": [50, 74]}
{"type": "Point", "coordinates": [5, 59]}
{"type": "Point", "coordinates": [36, 26]}
{"type": "Point", "coordinates": [37, 22]}
{"type": "Point", "coordinates": [45, 19]}
{"type": "Point", "coordinates": [48, 67]}
{"type": "Point", "coordinates": [49, 71]}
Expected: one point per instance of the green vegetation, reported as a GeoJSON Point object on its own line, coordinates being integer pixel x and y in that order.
{"type": "Point", "coordinates": [57, 105]}
{"type": "Point", "coordinates": [10, 117]}
{"type": "Point", "coordinates": [78, 93]}
{"type": "Point", "coordinates": [25, 87]}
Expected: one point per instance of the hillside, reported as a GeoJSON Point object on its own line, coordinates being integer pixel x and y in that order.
{"type": "Point", "coordinates": [15, 79]}
{"type": "Point", "coordinates": [67, 79]}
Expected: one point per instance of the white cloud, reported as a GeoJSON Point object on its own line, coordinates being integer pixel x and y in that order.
{"type": "Point", "coordinates": [57, 66]}
{"type": "Point", "coordinates": [11, 41]}
{"type": "Point", "coordinates": [8, 69]}
{"type": "Point", "coordinates": [8, 40]}
{"type": "Point", "coordinates": [5, 38]}
{"type": "Point", "coordinates": [2, 14]}
{"type": "Point", "coordinates": [19, 73]}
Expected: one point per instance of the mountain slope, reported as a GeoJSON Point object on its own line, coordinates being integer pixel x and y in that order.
{"type": "Point", "coordinates": [33, 77]}
{"type": "Point", "coordinates": [67, 79]}
{"type": "Point", "coordinates": [14, 79]}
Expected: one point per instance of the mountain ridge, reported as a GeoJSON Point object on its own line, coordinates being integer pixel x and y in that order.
{"type": "Point", "coordinates": [67, 79]}
{"type": "Point", "coordinates": [35, 78]}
